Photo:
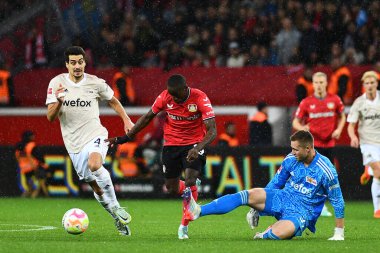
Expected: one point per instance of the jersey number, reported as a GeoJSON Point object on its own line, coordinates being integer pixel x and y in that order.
{"type": "Point", "coordinates": [97, 141]}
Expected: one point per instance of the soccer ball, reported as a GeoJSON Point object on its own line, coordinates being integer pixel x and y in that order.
{"type": "Point", "coordinates": [75, 221]}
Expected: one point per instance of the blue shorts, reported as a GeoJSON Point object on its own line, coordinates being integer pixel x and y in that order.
{"type": "Point", "coordinates": [277, 204]}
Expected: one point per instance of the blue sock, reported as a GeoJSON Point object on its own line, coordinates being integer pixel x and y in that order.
{"type": "Point", "coordinates": [225, 204]}
{"type": "Point", "coordinates": [269, 235]}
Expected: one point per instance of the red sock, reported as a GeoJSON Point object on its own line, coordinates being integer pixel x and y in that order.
{"type": "Point", "coordinates": [181, 187]}
{"type": "Point", "coordinates": [194, 192]}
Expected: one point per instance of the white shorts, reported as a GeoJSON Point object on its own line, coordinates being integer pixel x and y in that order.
{"type": "Point", "coordinates": [80, 160]}
{"type": "Point", "coordinates": [370, 152]}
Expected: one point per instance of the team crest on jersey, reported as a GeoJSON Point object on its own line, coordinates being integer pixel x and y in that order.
{"type": "Point", "coordinates": [192, 107]}
{"type": "Point", "coordinates": [330, 105]}
{"type": "Point", "coordinates": [311, 180]}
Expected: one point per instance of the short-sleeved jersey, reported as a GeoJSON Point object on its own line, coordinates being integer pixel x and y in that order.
{"type": "Point", "coordinates": [321, 115]}
{"type": "Point", "coordinates": [367, 112]}
{"type": "Point", "coordinates": [308, 187]}
{"type": "Point", "coordinates": [79, 114]}
{"type": "Point", "coordinates": [184, 122]}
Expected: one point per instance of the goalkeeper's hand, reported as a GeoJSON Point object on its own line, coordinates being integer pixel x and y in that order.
{"type": "Point", "coordinates": [338, 235]}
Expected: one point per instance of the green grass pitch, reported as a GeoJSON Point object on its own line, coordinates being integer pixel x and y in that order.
{"type": "Point", "coordinates": [154, 229]}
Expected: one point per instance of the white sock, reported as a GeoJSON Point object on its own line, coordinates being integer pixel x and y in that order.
{"type": "Point", "coordinates": [104, 203]}
{"type": "Point", "coordinates": [375, 190]}
{"type": "Point", "coordinates": [104, 181]}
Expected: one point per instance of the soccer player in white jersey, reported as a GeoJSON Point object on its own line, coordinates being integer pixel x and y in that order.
{"type": "Point", "coordinates": [295, 196]}
{"type": "Point", "coordinates": [73, 97]}
{"type": "Point", "coordinates": [366, 111]}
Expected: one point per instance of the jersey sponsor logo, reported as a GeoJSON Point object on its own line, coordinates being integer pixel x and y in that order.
{"type": "Point", "coordinates": [170, 106]}
{"type": "Point", "coordinates": [205, 99]}
{"type": "Point", "coordinates": [192, 107]}
{"type": "Point", "coordinates": [77, 103]}
{"type": "Point", "coordinates": [321, 115]}
{"type": "Point", "coordinates": [208, 105]}
{"type": "Point", "coordinates": [208, 113]}
{"type": "Point", "coordinates": [175, 117]}
{"type": "Point", "coordinates": [311, 180]}
{"type": "Point", "coordinates": [50, 91]}
{"type": "Point", "coordinates": [330, 105]}
{"type": "Point", "coordinates": [372, 117]}
{"type": "Point", "coordinates": [301, 188]}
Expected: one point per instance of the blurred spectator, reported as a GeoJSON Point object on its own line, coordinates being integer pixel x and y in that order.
{"type": "Point", "coordinates": [228, 138]}
{"type": "Point", "coordinates": [127, 161]}
{"type": "Point", "coordinates": [260, 131]}
{"type": "Point", "coordinates": [26, 162]}
{"type": "Point", "coordinates": [286, 40]}
{"type": "Point", "coordinates": [236, 59]}
{"type": "Point", "coordinates": [341, 81]}
{"type": "Point", "coordinates": [36, 48]}
{"type": "Point", "coordinates": [41, 174]}
{"type": "Point", "coordinates": [6, 87]}
{"type": "Point", "coordinates": [122, 85]}
{"type": "Point", "coordinates": [213, 59]}
{"type": "Point", "coordinates": [304, 87]}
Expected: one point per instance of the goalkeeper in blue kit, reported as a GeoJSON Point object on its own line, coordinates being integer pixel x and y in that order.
{"type": "Point", "coordinates": [295, 196]}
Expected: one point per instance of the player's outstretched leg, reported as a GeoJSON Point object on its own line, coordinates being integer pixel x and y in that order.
{"type": "Point", "coordinates": [221, 205]}
{"type": "Point", "coordinates": [183, 229]}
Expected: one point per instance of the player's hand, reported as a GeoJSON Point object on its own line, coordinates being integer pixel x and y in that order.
{"type": "Point", "coordinates": [60, 93]}
{"type": "Point", "coordinates": [336, 134]}
{"type": "Point", "coordinates": [192, 154]}
{"type": "Point", "coordinates": [354, 142]}
{"type": "Point", "coordinates": [111, 141]}
{"type": "Point", "coordinates": [338, 235]}
{"type": "Point", "coordinates": [128, 126]}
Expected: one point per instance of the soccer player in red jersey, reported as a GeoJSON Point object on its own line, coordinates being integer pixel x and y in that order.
{"type": "Point", "coordinates": [323, 115]}
{"type": "Point", "coordinates": [189, 127]}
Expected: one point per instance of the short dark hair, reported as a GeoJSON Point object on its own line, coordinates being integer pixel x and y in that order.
{"type": "Point", "coordinates": [176, 81]}
{"type": "Point", "coordinates": [261, 105]}
{"type": "Point", "coordinates": [74, 50]}
{"type": "Point", "coordinates": [304, 137]}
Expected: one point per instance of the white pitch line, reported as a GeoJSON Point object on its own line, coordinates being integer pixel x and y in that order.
{"type": "Point", "coordinates": [34, 228]}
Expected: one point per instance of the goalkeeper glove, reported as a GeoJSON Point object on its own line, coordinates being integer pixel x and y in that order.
{"type": "Point", "coordinates": [338, 235]}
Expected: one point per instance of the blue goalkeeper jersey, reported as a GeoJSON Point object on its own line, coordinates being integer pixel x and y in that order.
{"type": "Point", "coordinates": [308, 187]}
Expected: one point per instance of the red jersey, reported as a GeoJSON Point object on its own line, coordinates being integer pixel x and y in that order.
{"type": "Point", "coordinates": [184, 122]}
{"type": "Point", "coordinates": [321, 115]}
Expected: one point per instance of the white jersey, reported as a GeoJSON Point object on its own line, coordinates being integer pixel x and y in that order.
{"type": "Point", "coordinates": [367, 112]}
{"type": "Point", "coordinates": [79, 114]}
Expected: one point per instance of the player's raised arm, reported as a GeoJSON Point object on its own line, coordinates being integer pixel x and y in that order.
{"type": "Point", "coordinates": [54, 107]}
{"type": "Point", "coordinates": [115, 104]}
{"type": "Point", "coordinates": [281, 177]}
{"type": "Point", "coordinates": [209, 137]}
{"type": "Point", "coordinates": [141, 123]}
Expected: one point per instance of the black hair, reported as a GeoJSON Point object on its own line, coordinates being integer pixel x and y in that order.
{"type": "Point", "coordinates": [74, 50]}
{"type": "Point", "coordinates": [26, 137]}
{"type": "Point", "coordinates": [176, 81]}
{"type": "Point", "coordinates": [304, 137]}
{"type": "Point", "coordinates": [261, 105]}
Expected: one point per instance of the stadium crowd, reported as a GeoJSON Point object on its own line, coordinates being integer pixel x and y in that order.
{"type": "Point", "coordinates": [171, 33]}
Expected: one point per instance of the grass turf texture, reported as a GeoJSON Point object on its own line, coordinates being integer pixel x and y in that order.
{"type": "Point", "coordinates": [154, 229]}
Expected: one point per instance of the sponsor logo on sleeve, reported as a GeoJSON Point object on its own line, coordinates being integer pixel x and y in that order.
{"type": "Point", "coordinates": [50, 91]}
